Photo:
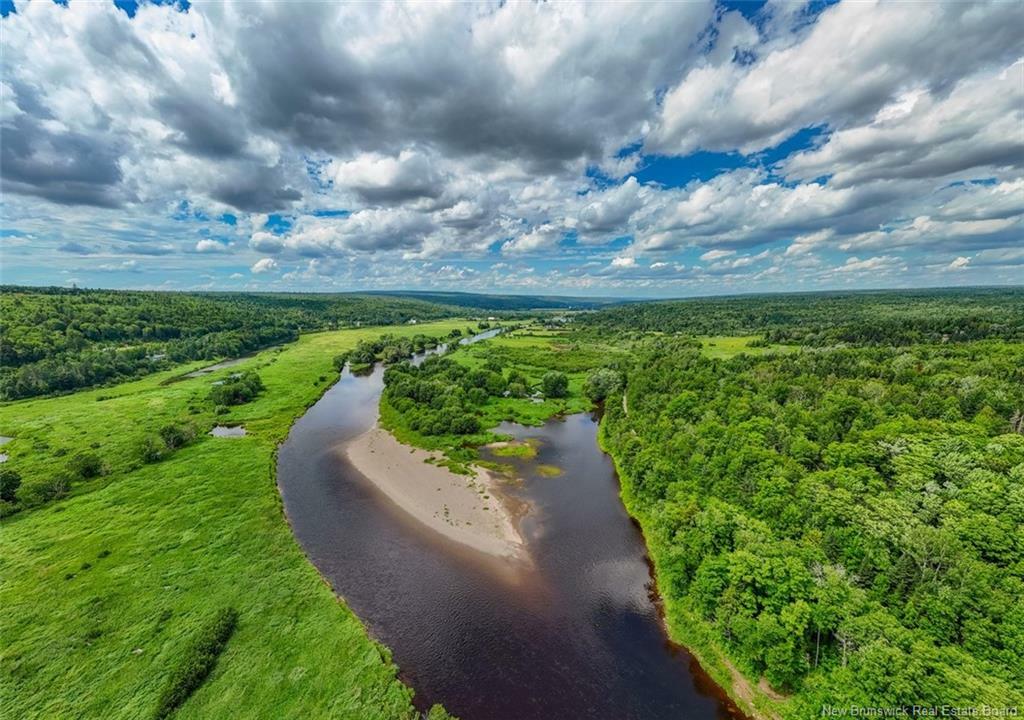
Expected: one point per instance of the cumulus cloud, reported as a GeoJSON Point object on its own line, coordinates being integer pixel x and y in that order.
{"type": "Point", "coordinates": [368, 141]}
{"type": "Point", "coordinates": [206, 245]}
{"type": "Point", "coordinates": [543, 237]}
{"type": "Point", "coordinates": [263, 265]}
{"type": "Point", "coordinates": [378, 179]}
{"type": "Point", "coordinates": [854, 60]}
{"type": "Point", "coordinates": [610, 211]}
{"type": "Point", "coordinates": [926, 230]}
{"type": "Point", "coordinates": [975, 127]}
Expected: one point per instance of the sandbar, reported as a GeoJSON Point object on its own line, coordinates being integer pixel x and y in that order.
{"type": "Point", "coordinates": [465, 508]}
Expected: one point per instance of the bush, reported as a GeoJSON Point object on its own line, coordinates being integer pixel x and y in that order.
{"type": "Point", "coordinates": [176, 436]}
{"type": "Point", "coordinates": [44, 491]}
{"type": "Point", "coordinates": [198, 661]}
{"type": "Point", "coordinates": [601, 383]}
{"type": "Point", "coordinates": [554, 384]}
{"type": "Point", "coordinates": [10, 481]}
{"type": "Point", "coordinates": [153, 449]}
{"type": "Point", "coordinates": [237, 391]}
{"type": "Point", "coordinates": [87, 465]}
{"type": "Point", "coordinates": [7, 508]}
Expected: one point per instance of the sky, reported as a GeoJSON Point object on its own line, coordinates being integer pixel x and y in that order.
{"type": "Point", "coordinates": [606, 149]}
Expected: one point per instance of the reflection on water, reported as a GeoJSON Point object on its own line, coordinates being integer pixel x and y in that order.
{"type": "Point", "coordinates": [572, 635]}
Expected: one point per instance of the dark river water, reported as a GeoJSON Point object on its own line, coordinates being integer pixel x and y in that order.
{"type": "Point", "coordinates": [571, 634]}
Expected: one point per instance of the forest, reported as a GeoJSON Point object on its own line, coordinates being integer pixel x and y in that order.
{"type": "Point", "coordinates": [848, 522]}
{"type": "Point", "coordinates": [56, 340]}
{"type": "Point", "coordinates": [837, 511]}
{"type": "Point", "coordinates": [820, 319]}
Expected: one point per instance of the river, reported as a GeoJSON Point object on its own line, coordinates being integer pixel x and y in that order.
{"type": "Point", "coordinates": [573, 634]}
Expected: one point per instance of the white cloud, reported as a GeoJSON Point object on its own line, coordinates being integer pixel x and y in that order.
{"type": "Point", "coordinates": [880, 263]}
{"type": "Point", "coordinates": [858, 58]}
{"type": "Point", "coordinates": [263, 265]}
{"type": "Point", "coordinates": [975, 127]}
{"type": "Point", "coordinates": [451, 132]}
{"type": "Point", "coordinates": [959, 263]}
{"type": "Point", "coordinates": [540, 238]}
{"type": "Point", "coordinates": [716, 254]}
{"type": "Point", "coordinates": [206, 245]}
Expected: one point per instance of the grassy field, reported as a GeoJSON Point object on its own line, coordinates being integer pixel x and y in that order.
{"type": "Point", "coordinates": [724, 347]}
{"type": "Point", "coordinates": [103, 591]}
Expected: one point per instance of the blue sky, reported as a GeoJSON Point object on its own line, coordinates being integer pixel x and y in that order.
{"type": "Point", "coordinates": [647, 150]}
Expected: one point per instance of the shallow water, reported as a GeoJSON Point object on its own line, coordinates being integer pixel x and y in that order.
{"type": "Point", "coordinates": [572, 634]}
{"type": "Point", "coordinates": [218, 366]}
{"type": "Point", "coordinates": [228, 431]}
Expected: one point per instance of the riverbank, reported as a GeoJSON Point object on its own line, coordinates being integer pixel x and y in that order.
{"type": "Point", "coordinates": [684, 628]}
{"type": "Point", "coordinates": [105, 589]}
{"type": "Point", "coordinates": [468, 509]}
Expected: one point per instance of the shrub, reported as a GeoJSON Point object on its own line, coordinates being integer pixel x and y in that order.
{"type": "Point", "coordinates": [601, 383]}
{"type": "Point", "coordinates": [176, 436]}
{"type": "Point", "coordinates": [43, 491]}
{"type": "Point", "coordinates": [7, 508]}
{"type": "Point", "coordinates": [554, 384]}
{"type": "Point", "coordinates": [238, 390]}
{"type": "Point", "coordinates": [198, 661]}
{"type": "Point", "coordinates": [87, 465]}
{"type": "Point", "coordinates": [10, 481]}
{"type": "Point", "coordinates": [153, 449]}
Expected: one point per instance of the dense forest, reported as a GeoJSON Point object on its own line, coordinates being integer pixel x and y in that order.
{"type": "Point", "coordinates": [843, 516]}
{"type": "Point", "coordinates": [57, 340]}
{"type": "Point", "coordinates": [848, 521]}
{"type": "Point", "coordinates": [878, 318]}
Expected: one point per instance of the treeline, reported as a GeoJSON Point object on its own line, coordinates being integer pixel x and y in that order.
{"type": "Point", "coordinates": [56, 340]}
{"type": "Point", "coordinates": [389, 349]}
{"type": "Point", "coordinates": [444, 397]}
{"type": "Point", "coordinates": [847, 522]}
{"type": "Point", "coordinates": [861, 318]}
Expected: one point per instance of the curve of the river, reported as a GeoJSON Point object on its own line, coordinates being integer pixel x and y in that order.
{"type": "Point", "coordinates": [573, 634]}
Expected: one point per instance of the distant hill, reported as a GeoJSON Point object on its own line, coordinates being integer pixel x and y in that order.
{"type": "Point", "coordinates": [501, 302]}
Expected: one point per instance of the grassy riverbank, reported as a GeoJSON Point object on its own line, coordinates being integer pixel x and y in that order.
{"type": "Point", "coordinates": [106, 590]}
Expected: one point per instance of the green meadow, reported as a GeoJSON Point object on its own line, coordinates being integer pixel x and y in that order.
{"type": "Point", "coordinates": [723, 347]}
{"type": "Point", "coordinates": [105, 590]}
